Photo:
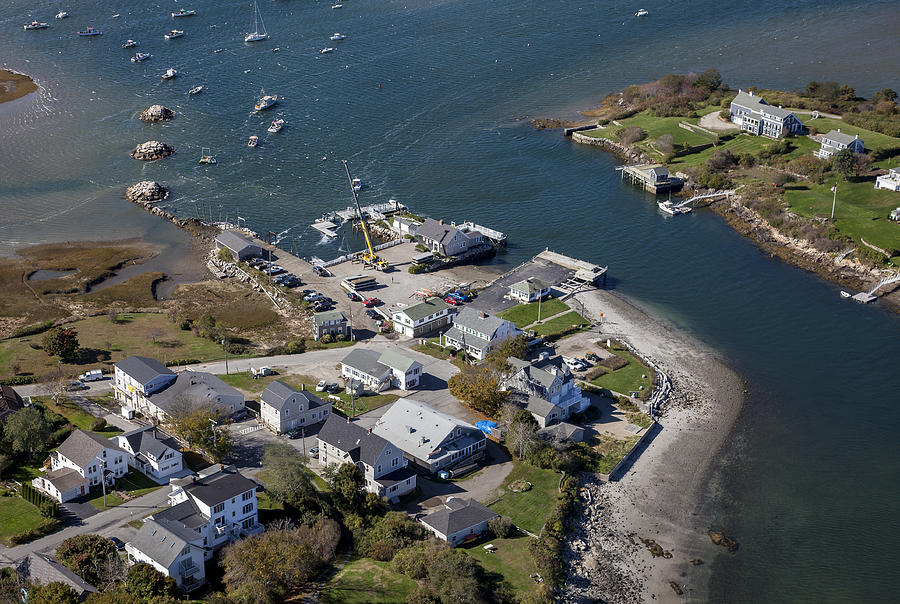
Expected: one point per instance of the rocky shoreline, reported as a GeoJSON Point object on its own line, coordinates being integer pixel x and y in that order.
{"type": "Point", "coordinates": [156, 113]}
{"type": "Point", "coordinates": [152, 151]}
{"type": "Point", "coordinates": [147, 192]}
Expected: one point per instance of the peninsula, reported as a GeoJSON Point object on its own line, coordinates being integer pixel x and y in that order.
{"type": "Point", "coordinates": [15, 85]}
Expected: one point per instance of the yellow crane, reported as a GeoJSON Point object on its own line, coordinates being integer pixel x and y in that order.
{"type": "Point", "coordinates": [369, 256]}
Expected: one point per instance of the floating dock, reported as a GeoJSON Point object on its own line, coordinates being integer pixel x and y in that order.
{"type": "Point", "coordinates": [496, 237]}
{"type": "Point", "coordinates": [378, 211]}
{"type": "Point", "coordinates": [326, 227]}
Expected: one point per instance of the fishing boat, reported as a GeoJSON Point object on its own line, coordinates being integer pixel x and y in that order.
{"type": "Point", "coordinates": [184, 13]}
{"type": "Point", "coordinates": [36, 25]}
{"type": "Point", "coordinates": [175, 33]}
{"type": "Point", "coordinates": [668, 208]}
{"type": "Point", "coordinates": [62, 14]}
{"type": "Point", "coordinates": [845, 294]}
{"type": "Point", "coordinates": [266, 101]}
{"type": "Point", "coordinates": [196, 90]}
{"type": "Point", "coordinates": [206, 157]}
{"type": "Point", "coordinates": [140, 56]}
{"type": "Point", "coordinates": [356, 183]}
{"type": "Point", "coordinates": [90, 31]}
{"type": "Point", "coordinates": [129, 44]}
{"type": "Point", "coordinates": [338, 5]}
{"type": "Point", "coordinates": [276, 126]}
{"type": "Point", "coordinates": [254, 140]}
{"type": "Point", "coordinates": [325, 51]}
{"type": "Point", "coordinates": [336, 36]}
{"type": "Point", "coordinates": [642, 13]}
{"type": "Point", "coordinates": [170, 73]}
{"type": "Point", "coordinates": [257, 34]}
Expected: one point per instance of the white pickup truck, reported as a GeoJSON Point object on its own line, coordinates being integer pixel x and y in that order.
{"type": "Point", "coordinates": [91, 376]}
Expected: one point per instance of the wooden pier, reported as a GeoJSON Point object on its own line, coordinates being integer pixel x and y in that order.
{"type": "Point", "coordinates": [652, 177]}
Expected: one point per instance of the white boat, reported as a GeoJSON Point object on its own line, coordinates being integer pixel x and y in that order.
{"type": "Point", "coordinates": [254, 140]}
{"type": "Point", "coordinates": [116, 16]}
{"type": "Point", "coordinates": [256, 35]}
{"type": "Point", "coordinates": [184, 13]}
{"type": "Point", "coordinates": [686, 209]}
{"type": "Point", "coordinates": [336, 36]}
{"type": "Point", "coordinates": [276, 126]}
{"type": "Point", "coordinates": [36, 25]}
{"type": "Point", "coordinates": [206, 157]}
{"type": "Point", "coordinates": [170, 73]}
{"type": "Point", "coordinates": [129, 44]}
{"type": "Point", "coordinates": [265, 102]}
{"type": "Point", "coordinates": [62, 14]}
{"type": "Point", "coordinates": [140, 56]}
{"type": "Point", "coordinates": [845, 294]}
{"type": "Point", "coordinates": [338, 5]}
{"type": "Point", "coordinates": [668, 208]}
{"type": "Point", "coordinates": [196, 90]}
{"type": "Point", "coordinates": [175, 33]}
{"type": "Point", "coordinates": [357, 184]}
{"type": "Point", "coordinates": [325, 51]}
{"type": "Point", "coordinates": [90, 31]}
{"type": "Point", "coordinates": [642, 13]}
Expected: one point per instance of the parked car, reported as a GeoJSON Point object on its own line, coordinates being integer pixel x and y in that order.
{"type": "Point", "coordinates": [334, 388]}
{"type": "Point", "coordinates": [370, 302]}
{"type": "Point", "coordinates": [314, 451]}
{"type": "Point", "coordinates": [120, 545]}
{"type": "Point", "coordinates": [592, 356]}
{"type": "Point", "coordinates": [313, 297]}
{"type": "Point", "coordinates": [293, 434]}
{"type": "Point", "coordinates": [320, 387]}
{"type": "Point", "coordinates": [76, 385]}
{"type": "Point", "coordinates": [371, 314]}
{"type": "Point", "coordinates": [91, 376]}
{"type": "Point", "coordinates": [452, 301]}
{"type": "Point", "coordinates": [292, 282]}
{"type": "Point", "coordinates": [273, 270]}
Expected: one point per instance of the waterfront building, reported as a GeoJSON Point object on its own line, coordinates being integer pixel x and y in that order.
{"type": "Point", "coordinates": [283, 408]}
{"type": "Point", "coordinates": [754, 115]}
{"type": "Point", "coordinates": [836, 141]}
{"type": "Point", "coordinates": [547, 378]}
{"type": "Point", "coordinates": [422, 319]}
{"type": "Point", "coordinates": [241, 247]}
{"type": "Point", "coordinates": [446, 239]}
{"type": "Point", "coordinates": [529, 290]}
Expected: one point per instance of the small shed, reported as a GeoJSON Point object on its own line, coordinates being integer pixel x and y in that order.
{"type": "Point", "coordinates": [240, 246]}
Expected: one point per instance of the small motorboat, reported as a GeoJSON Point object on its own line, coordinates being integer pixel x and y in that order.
{"type": "Point", "coordinates": [184, 13]}
{"type": "Point", "coordinates": [642, 13]}
{"type": "Point", "coordinates": [336, 36]}
{"type": "Point", "coordinates": [206, 157]}
{"type": "Point", "coordinates": [140, 56]}
{"type": "Point", "coordinates": [338, 5]}
{"type": "Point", "coordinates": [116, 16]}
{"type": "Point", "coordinates": [218, 50]}
{"type": "Point", "coordinates": [266, 102]}
{"type": "Point", "coordinates": [668, 208]}
{"type": "Point", "coordinates": [62, 14]}
{"type": "Point", "coordinates": [325, 51]}
{"type": "Point", "coordinates": [276, 126]}
{"type": "Point", "coordinates": [36, 25]}
{"type": "Point", "coordinates": [90, 31]}
{"type": "Point", "coordinates": [129, 44]}
{"type": "Point", "coordinates": [845, 294]}
{"type": "Point", "coordinates": [170, 73]}
{"type": "Point", "coordinates": [175, 33]}
{"type": "Point", "coordinates": [356, 183]}
{"type": "Point", "coordinates": [196, 90]}
{"type": "Point", "coordinates": [254, 140]}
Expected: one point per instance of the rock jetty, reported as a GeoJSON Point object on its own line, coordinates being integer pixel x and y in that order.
{"type": "Point", "coordinates": [156, 113]}
{"type": "Point", "coordinates": [146, 191]}
{"type": "Point", "coordinates": [152, 150]}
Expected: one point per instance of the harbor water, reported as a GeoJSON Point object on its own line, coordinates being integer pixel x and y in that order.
{"type": "Point", "coordinates": [429, 102]}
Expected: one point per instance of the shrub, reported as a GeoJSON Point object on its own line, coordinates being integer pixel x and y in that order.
{"type": "Point", "coordinates": [186, 324]}
{"type": "Point", "coordinates": [182, 362]}
{"type": "Point", "coordinates": [501, 527]}
{"type": "Point", "coordinates": [19, 380]}
{"type": "Point", "coordinates": [594, 372]}
{"type": "Point", "coordinates": [721, 160]}
{"type": "Point", "coordinates": [415, 269]}
{"type": "Point", "coordinates": [30, 330]}
{"type": "Point", "coordinates": [614, 362]}
{"type": "Point", "coordinates": [326, 339]}
{"type": "Point", "coordinates": [631, 135]}
{"type": "Point", "coordinates": [98, 424]}
{"type": "Point", "coordinates": [341, 337]}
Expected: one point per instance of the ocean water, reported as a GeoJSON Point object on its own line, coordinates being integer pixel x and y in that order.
{"type": "Point", "coordinates": [426, 100]}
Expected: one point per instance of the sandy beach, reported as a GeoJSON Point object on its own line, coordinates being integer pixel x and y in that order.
{"type": "Point", "coordinates": [14, 85]}
{"type": "Point", "coordinates": [659, 497]}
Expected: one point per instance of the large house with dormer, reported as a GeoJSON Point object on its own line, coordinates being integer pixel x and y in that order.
{"type": "Point", "coordinates": [382, 463]}
{"type": "Point", "coordinates": [152, 452]}
{"type": "Point", "coordinates": [171, 548]}
{"type": "Point", "coordinates": [423, 318]}
{"type": "Point", "coordinates": [446, 239]}
{"type": "Point", "coordinates": [136, 378]}
{"type": "Point", "coordinates": [478, 333]}
{"type": "Point", "coordinates": [82, 461]}
{"type": "Point", "coordinates": [836, 141]}
{"type": "Point", "coordinates": [284, 408]}
{"type": "Point", "coordinates": [754, 115]}
{"type": "Point", "coordinates": [547, 378]}
{"type": "Point", "coordinates": [381, 370]}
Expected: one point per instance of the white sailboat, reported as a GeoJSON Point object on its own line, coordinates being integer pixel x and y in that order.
{"type": "Point", "coordinates": [256, 35]}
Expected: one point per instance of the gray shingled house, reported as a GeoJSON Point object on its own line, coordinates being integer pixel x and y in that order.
{"type": "Point", "coordinates": [332, 322]}
{"type": "Point", "coordinates": [240, 246]}
{"type": "Point", "coordinates": [423, 318]}
{"type": "Point", "coordinates": [754, 115]}
{"type": "Point", "coordinates": [446, 239]}
{"type": "Point", "coordinates": [460, 520]}
{"type": "Point", "coordinates": [171, 548]}
{"type": "Point", "coordinates": [284, 408]}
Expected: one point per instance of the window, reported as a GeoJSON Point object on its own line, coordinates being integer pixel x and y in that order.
{"type": "Point", "coordinates": [248, 523]}
{"type": "Point", "coordinates": [246, 495]}
{"type": "Point", "coordinates": [186, 550]}
{"type": "Point", "coordinates": [287, 411]}
{"type": "Point", "coordinates": [395, 461]}
{"type": "Point", "coordinates": [248, 508]}
{"type": "Point", "coordinates": [379, 467]}
{"type": "Point", "coordinates": [220, 521]}
{"type": "Point", "coordinates": [220, 507]}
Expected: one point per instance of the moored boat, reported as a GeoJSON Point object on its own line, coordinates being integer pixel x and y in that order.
{"type": "Point", "coordinates": [258, 33]}
{"type": "Point", "coordinates": [90, 31]}
{"type": "Point", "coordinates": [196, 90]}
{"type": "Point", "coordinates": [140, 56]}
{"type": "Point", "coordinates": [642, 13]}
{"type": "Point", "coordinates": [254, 140]}
{"type": "Point", "coordinates": [668, 208]}
{"type": "Point", "coordinates": [356, 183]}
{"type": "Point", "coordinates": [325, 51]}
{"type": "Point", "coordinates": [276, 125]}
{"type": "Point", "coordinates": [175, 33]}
{"type": "Point", "coordinates": [184, 13]}
{"type": "Point", "coordinates": [206, 157]}
{"type": "Point", "coordinates": [336, 36]}
{"type": "Point", "coordinates": [170, 73]}
{"type": "Point", "coordinates": [62, 14]}
{"type": "Point", "coordinates": [36, 25]}
{"type": "Point", "coordinates": [129, 44]}
{"type": "Point", "coordinates": [338, 5]}
{"type": "Point", "coordinates": [845, 294]}
{"type": "Point", "coordinates": [265, 102]}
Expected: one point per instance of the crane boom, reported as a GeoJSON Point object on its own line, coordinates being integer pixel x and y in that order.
{"type": "Point", "coordinates": [370, 255]}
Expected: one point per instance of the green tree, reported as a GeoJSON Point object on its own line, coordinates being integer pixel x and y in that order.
{"type": "Point", "coordinates": [200, 427]}
{"type": "Point", "coordinates": [479, 387]}
{"type": "Point", "coordinates": [52, 593]}
{"type": "Point", "coordinates": [709, 80]}
{"type": "Point", "coordinates": [61, 342]}
{"type": "Point", "coordinates": [348, 486]}
{"type": "Point", "coordinates": [885, 94]}
{"type": "Point", "coordinates": [842, 163]}
{"type": "Point", "coordinates": [28, 432]}
{"type": "Point", "coordinates": [388, 534]}
{"type": "Point", "coordinates": [145, 582]}
{"type": "Point", "coordinates": [80, 553]}
{"type": "Point", "coordinates": [288, 480]}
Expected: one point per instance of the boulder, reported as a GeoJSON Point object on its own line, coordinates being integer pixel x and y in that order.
{"type": "Point", "coordinates": [152, 150]}
{"type": "Point", "coordinates": [156, 113]}
{"type": "Point", "coordinates": [146, 191]}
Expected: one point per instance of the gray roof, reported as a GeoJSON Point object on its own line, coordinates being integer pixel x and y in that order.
{"type": "Point", "coordinates": [478, 321]}
{"type": "Point", "coordinates": [562, 431]}
{"type": "Point", "coordinates": [146, 440]}
{"type": "Point", "coordinates": [234, 241]}
{"type": "Point", "coordinates": [217, 487]}
{"type": "Point", "coordinates": [540, 407]}
{"type": "Point", "coordinates": [162, 540]}
{"type": "Point", "coordinates": [82, 447]}
{"type": "Point", "coordinates": [194, 387]}
{"type": "Point", "coordinates": [529, 285]}
{"type": "Point", "coordinates": [278, 392]}
{"type": "Point", "coordinates": [143, 369]}
{"type": "Point", "coordinates": [65, 479]}
{"type": "Point", "coordinates": [542, 372]}
{"type": "Point", "coordinates": [436, 231]}
{"type": "Point", "coordinates": [757, 103]}
{"type": "Point", "coordinates": [841, 137]}
{"type": "Point", "coordinates": [424, 308]}
{"type": "Point", "coordinates": [10, 399]}
{"type": "Point", "coordinates": [366, 361]}
{"type": "Point", "coordinates": [352, 438]}
{"type": "Point", "coordinates": [186, 514]}
{"type": "Point", "coordinates": [320, 318]}
{"type": "Point", "coordinates": [398, 475]}
{"type": "Point", "coordinates": [41, 569]}
{"type": "Point", "coordinates": [461, 517]}
{"type": "Point", "coordinates": [417, 428]}
{"type": "Point", "coordinates": [474, 341]}
{"type": "Point", "coordinates": [395, 360]}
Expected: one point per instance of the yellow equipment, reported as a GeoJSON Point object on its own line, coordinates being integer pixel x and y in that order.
{"type": "Point", "coordinates": [369, 256]}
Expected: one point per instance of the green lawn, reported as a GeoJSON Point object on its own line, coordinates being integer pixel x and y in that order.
{"type": "Point", "coordinates": [134, 483]}
{"type": "Point", "coordinates": [612, 450]}
{"type": "Point", "coordinates": [433, 349]}
{"type": "Point", "coordinates": [628, 378]}
{"type": "Point", "coordinates": [559, 324]}
{"type": "Point", "coordinates": [746, 143]}
{"type": "Point", "coordinates": [526, 314]}
{"type": "Point", "coordinates": [511, 559]}
{"type": "Point", "coordinates": [861, 210]}
{"type": "Point", "coordinates": [75, 415]}
{"type": "Point", "coordinates": [529, 509]}
{"type": "Point", "coordinates": [366, 581]}
{"type": "Point", "coordinates": [17, 516]}
{"type": "Point", "coordinates": [655, 127]}
{"type": "Point", "coordinates": [243, 381]}
{"type": "Point", "coordinates": [873, 140]}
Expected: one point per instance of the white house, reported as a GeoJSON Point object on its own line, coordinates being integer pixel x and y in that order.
{"type": "Point", "coordinates": [460, 520]}
{"type": "Point", "coordinates": [836, 141]}
{"type": "Point", "coordinates": [283, 408]}
{"type": "Point", "coordinates": [548, 379]}
{"type": "Point", "coordinates": [152, 452]}
{"type": "Point", "coordinates": [219, 504]}
{"type": "Point", "coordinates": [423, 318]}
{"type": "Point", "coordinates": [889, 181]}
{"type": "Point", "coordinates": [382, 463]}
{"type": "Point", "coordinates": [171, 548]}
{"type": "Point", "coordinates": [446, 239]}
{"type": "Point", "coordinates": [478, 333]}
{"type": "Point", "coordinates": [136, 378]}
{"type": "Point", "coordinates": [529, 290]}
{"type": "Point", "coordinates": [381, 370]}
{"type": "Point", "coordinates": [83, 455]}
{"type": "Point", "coordinates": [431, 439]}
{"type": "Point", "coordinates": [754, 115]}
{"type": "Point", "coordinates": [405, 226]}
{"type": "Point", "coordinates": [194, 390]}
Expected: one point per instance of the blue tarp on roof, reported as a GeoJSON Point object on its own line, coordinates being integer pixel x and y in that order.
{"type": "Point", "coordinates": [486, 426]}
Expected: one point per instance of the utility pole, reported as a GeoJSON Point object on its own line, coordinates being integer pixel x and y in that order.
{"type": "Point", "coordinates": [225, 345]}
{"type": "Point", "coordinates": [833, 199]}
{"type": "Point", "coordinates": [539, 308]}
{"type": "Point", "coordinates": [303, 439]}
{"type": "Point", "coordinates": [215, 425]}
